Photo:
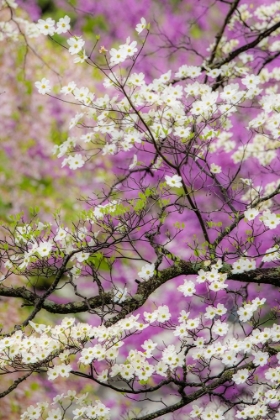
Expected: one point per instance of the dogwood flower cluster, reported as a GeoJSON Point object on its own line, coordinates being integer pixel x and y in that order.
{"type": "Point", "coordinates": [214, 279]}
{"type": "Point", "coordinates": [141, 364]}
{"type": "Point", "coordinates": [120, 295]}
{"type": "Point", "coordinates": [171, 108]}
{"type": "Point", "coordinates": [76, 44]}
{"type": "Point", "coordinates": [246, 312]}
{"type": "Point", "coordinates": [35, 249]}
{"type": "Point", "coordinates": [46, 343]}
{"type": "Point", "coordinates": [230, 352]}
{"type": "Point", "coordinates": [47, 26]}
{"type": "Point", "coordinates": [80, 405]}
{"type": "Point", "coordinates": [124, 51]}
{"type": "Point", "coordinates": [272, 254]}
{"type": "Point", "coordinates": [255, 193]}
{"type": "Point", "coordinates": [154, 359]}
{"type": "Point", "coordinates": [210, 411]}
{"type": "Point", "coordinates": [74, 162]}
{"type": "Point", "coordinates": [270, 220]}
{"type": "Point", "coordinates": [165, 105]}
{"type": "Point", "coordinates": [41, 243]}
{"type": "Point", "coordinates": [140, 116]}
{"type": "Point", "coordinates": [242, 265]}
{"type": "Point", "coordinates": [137, 363]}
{"type": "Point", "coordinates": [250, 214]}
{"type": "Point", "coordinates": [161, 314]}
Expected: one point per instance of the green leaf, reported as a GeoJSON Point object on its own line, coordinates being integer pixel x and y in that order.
{"type": "Point", "coordinates": [196, 252]}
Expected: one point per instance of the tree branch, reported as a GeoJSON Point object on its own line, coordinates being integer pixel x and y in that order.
{"type": "Point", "coordinates": [246, 47]}
{"type": "Point", "coordinates": [145, 289]}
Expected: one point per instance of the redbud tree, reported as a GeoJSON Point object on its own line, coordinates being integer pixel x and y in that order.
{"type": "Point", "coordinates": [164, 288]}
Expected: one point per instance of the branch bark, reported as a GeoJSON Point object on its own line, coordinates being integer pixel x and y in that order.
{"type": "Point", "coordinates": [269, 276]}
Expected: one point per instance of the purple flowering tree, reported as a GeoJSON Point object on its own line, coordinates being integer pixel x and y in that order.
{"type": "Point", "coordinates": [164, 288]}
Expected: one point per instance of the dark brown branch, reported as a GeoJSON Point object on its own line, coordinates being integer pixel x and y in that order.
{"type": "Point", "coordinates": [235, 53]}
{"type": "Point", "coordinates": [40, 301]}
{"type": "Point", "coordinates": [222, 30]}
{"type": "Point", "coordinates": [15, 384]}
{"type": "Point", "coordinates": [124, 390]}
{"type": "Point", "coordinates": [145, 289]}
{"type": "Point", "coordinates": [52, 307]}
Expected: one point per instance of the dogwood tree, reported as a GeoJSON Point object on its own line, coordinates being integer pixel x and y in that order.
{"type": "Point", "coordinates": [165, 287]}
